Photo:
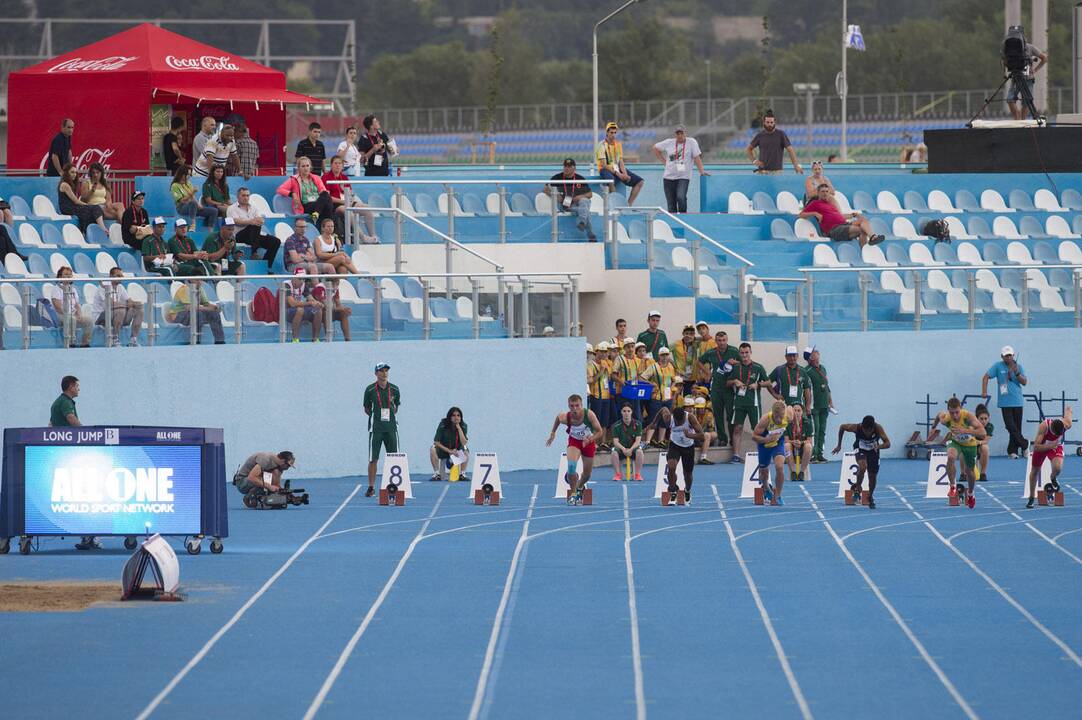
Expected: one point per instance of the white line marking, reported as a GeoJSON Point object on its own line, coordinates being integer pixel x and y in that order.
{"type": "Point", "coordinates": [633, 610]}
{"type": "Point", "coordinates": [240, 613]}
{"type": "Point", "coordinates": [995, 586]}
{"type": "Point", "coordinates": [1042, 535]}
{"type": "Point", "coordinates": [805, 710]}
{"type": "Point", "coordinates": [497, 624]}
{"type": "Point", "coordinates": [928, 659]}
{"type": "Point", "coordinates": [1068, 532]}
{"type": "Point", "coordinates": [348, 650]}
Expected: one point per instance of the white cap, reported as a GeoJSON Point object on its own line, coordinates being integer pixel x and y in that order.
{"type": "Point", "coordinates": [700, 402]}
{"type": "Point", "coordinates": [653, 313]}
{"type": "Point", "coordinates": [159, 220]}
{"type": "Point", "coordinates": [702, 323]}
{"type": "Point", "coordinates": [664, 351]}
{"type": "Point", "coordinates": [791, 350]}
{"type": "Point", "coordinates": [809, 350]}
{"type": "Point", "coordinates": [602, 346]}
{"type": "Point", "coordinates": [589, 347]}
{"type": "Point", "coordinates": [549, 328]}
{"type": "Point", "coordinates": [229, 222]}
{"type": "Point", "coordinates": [689, 401]}
{"type": "Point", "coordinates": [181, 222]}
{"type": "Point", "coordinates": [1006, 350]}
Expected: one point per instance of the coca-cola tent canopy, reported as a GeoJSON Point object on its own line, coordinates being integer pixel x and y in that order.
{"type": "Point", "coordinates": [123, 90]}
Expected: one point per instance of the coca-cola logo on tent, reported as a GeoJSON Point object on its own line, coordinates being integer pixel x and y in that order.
{"type": "Point", "coordinates": [85, 159]}
{"type": "Point", "coordinates": [203, 62]}
{"type": "Point", "coordinates": [113, 62]}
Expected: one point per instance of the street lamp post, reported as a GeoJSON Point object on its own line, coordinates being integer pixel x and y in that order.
{"type": "Point", "coordinates": [809, 90]}
{"type": "Point", "coordinates": [709, 111]}
{"type": "Point", "coordinates": [603, 20]}
{"type": "Point", "coordinates": [844, 84]}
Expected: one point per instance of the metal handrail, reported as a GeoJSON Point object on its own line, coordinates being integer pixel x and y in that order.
{"type": "Point", "coordinates": [455, 181]}
{"type": "Point", "coordinates": [880, 268]}
{"type": "Point", "coordinates": [443, 236]}
{"type": "Point", "coordinates": [696, 231]}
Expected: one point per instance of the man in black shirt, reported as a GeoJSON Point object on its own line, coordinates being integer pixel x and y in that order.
{"type": "Point", "coordinates": [312, 148]}
{"type": "Point", "coordinates": [375, 148]}
{"type": "Point", "coordinates": [772, 143]}
{"type": "Point", "coordinates": [60, 149]}
{"type": "Point", "coordinates": [574, 197]}
{"type": "Point", "coordinates": [171, 152]}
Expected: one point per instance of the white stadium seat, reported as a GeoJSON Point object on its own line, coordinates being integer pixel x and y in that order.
{"type": "Point", "coordinates": [903, 228]}
{"type": "Point", "coordinates": [787, 203]}
{"type": "Point", "coordinates": [824, 256]}
{"type": "Point", "coordinates": [806, 230]}
{"type": "Point", "coordinates": [1004, 301]}
{"type": "Point", "coordinates": [968, 254]}
{"type": "Point", "coordinates": [1004, 227]}
{"type": "Point", "coordinates": [940, 201]}
{"type": "Point", "coordinates": [921, 255]}
{"type": "Point", "coordinates": [987, 280]}
{"type": "Point", "coordinates": [891, 280]}
{"type": "Point", "coordinates": [1043, 199]}
{"type": "Point", "coordinates": [1069, 252]}
{"type": "Point", "coordinates": [1019, 253]}
{"type": "Point", "coordinates": [992, 200]}
{"type": "Point", "coordinates": [873, 255]}
{"type": "Point", "coordinates": [957, 229]}
{"type": "Point", "coordinates": [740, 204]}
{"type": "Point", "coordinates": [887, 201]}
{"type": "Point", "coordinates": [1057, 226]}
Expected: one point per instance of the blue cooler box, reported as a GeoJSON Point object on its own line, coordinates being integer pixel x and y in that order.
{"type": "Point", "coordinates": [637, 390]}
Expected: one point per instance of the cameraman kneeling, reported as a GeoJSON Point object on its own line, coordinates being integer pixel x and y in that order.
{"type": "Point", "coordinates": [250, 474]}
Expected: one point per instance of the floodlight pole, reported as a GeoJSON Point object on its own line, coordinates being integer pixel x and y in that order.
{"type": "Point", "coordinates": [845, 82]}
{"type": "Point", "coordinates": [603, 20]}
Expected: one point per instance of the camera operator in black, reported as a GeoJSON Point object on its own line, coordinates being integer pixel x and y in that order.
{"type": "Point", "coordinates": [250, 473]}
{"type": "Point", "coordinates": [1022, 60]}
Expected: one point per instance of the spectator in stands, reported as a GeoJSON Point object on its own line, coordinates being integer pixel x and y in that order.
{"type": "Point", "coordinates": [76, 316]}
{"type": "Point", "coordinates": [772, 144]}
{"type": "Point", "coordinates": [832, 158]}
{"type": "Point", "coordinates": [60, 149]}
{"type": "Point", "coordinates": [834, 224]}
{"type": "Point", "coordinates": [126, 312]}
{"type": "Point", "coordinates": [813, 181]}
{"type": "Point", "coordinates": [184, 198]}
{"type": "Point", "coordinates": [678, 153]}
{"type": "Point", "coordinates": [7, 246]}
{"type": "Point", "coordinates": [350, 154]}
{"type": "Point", "coordinates": [307, 191]}
{"type": "Point", "coordinates": [376, 148]}
{"type": "Point", "coordinates": [653, 338]}
{"type": "Point", "coordinates": [189, 261]}
{"type": "Point", "coordinates": [328, 249]}
{"type": "Point", "coordinates": [134, 224]}
{"type": "Point", "coordinates": [216, 191]}
{"type": "Point", "coordinates": [610, 163]}
{"type": "Point", "coordinates": [218, 151]}
{"type": "Point", "coordinates": [1035, 60]}
{"type": "Point", "coordinates": [301, 307]}
{"type": "Point", "coordinates": [745, 378]}
{"type": "Point", "coordinates": [179, 312]}
{"type": "Point", "coordinates": [789, 381]}
{"type": "Point", "coordinates": [206, 133]}
{"type": "Point", "coordinates": [70, 203]}
{"type": "Point", "coordinates": [95, 191]}
{"type": "Point", "coordinates": [450, 439]}
{"type": "Point", "coordinates": [172, 153]}
{"type": "Point", "coordinates": [247, 153]}
{"type": "Point", "coordinates": [155, 250]}
{"type": "Point", "coordinates": [299, 252]}
{"type": "Point", "coordinates": [1010, 378]}
{"type": "Point", "coordinates": [251, 223]}
{"type": "Point", "coordinates": [573, 198]}
{"type": "Point", "coordinates": [339, 312]}
{"type": "Point", "coordinates": [338, 198]}
{"type": "Point", "coordinates": [222, 252]}
{"type": "Point", "coordinates": [312, 147]}
{"type": "Point", "coordinates": [709, 426]}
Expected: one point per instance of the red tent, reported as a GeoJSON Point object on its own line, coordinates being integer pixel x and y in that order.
{"type": "Point", "coordinates": [123, 91]}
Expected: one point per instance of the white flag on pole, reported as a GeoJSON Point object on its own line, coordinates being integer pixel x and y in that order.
{"type": "Point", "coordinates": [854, 38]}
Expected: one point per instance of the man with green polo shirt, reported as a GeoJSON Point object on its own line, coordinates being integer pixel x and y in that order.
{"type": "Point", "coordinates": [789, 382]}
{"type": "Point", "coordinates": [627, 444]}
{"type": "Point", "coordinates": [62, 413]}
{"type": "Point", "coordinates": [822, 402]}
{"type": "Point", "coordinates": [155, 250]}
{"type": "Point", "coordinates": [653, 338]}
{"type": "Point", "coordinates": [744, 380]}
{"type": "Point", "coordinates": [381, 402]}
{"type": "Point", "coordinates": [189, 261]}
{"type": "Point", "coordinates": [221, 247]}
{"type": "Point", "coordinates": [720, 359]}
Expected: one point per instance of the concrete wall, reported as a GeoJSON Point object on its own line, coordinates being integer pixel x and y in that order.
{"type": "Point", "coordinates": [885, 373]}
{"type": "Point", "coordinates": [308, 398]}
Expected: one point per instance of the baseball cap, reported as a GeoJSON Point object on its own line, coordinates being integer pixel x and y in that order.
{"type": "Point", "coordinates": [569, 161]}
{"type": "Point", "coordinates": [602, 346]}
{"type": "Point", "coordinates": [631, 341]}
{"type": "Point", "coordinates": [681, 128]}
{"type": "Point", "coordinates": [549, 328]}
{"type": "Point", "coordinates": [654, 313]}
{"type": "Point", "coordinates": [702, 323]}
{"type": "Point", "coordinates": [639, 345]}
{"type": "Point", "coordinates": [229, 222]}
{"type": "Point", "coordinates": [808, 351]}
{"type": "Point", "coordinates": [1006, 350]}
{"type": "Point", "coordinates": [382, 366]}
{"type": "Point", "coordinates": [137, 194]}
{"type": "Point", "coordinates": [611, 126]}
{"type": "Point", "coordinates": [689, 326]}
{"type": "Point", "coordinates": [689, 401]}
{"type": "Point", "coordinates": [700, 402]}
{"type": "Point", "coordinates": [791, 350]}
{"type": "Point", "coordinates": [589, 347]}
{"type": "Point", "coordinates": [299, 271]}
{"type": "Point", "coordinates": [664, 351]}
{"type": "Point", "coordinates": [181, 222]}
{"type": "Point", "coordinates": [159, 221]}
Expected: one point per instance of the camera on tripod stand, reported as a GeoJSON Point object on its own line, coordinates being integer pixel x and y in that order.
{"type": "Point", "coordinates": [1016, 59]}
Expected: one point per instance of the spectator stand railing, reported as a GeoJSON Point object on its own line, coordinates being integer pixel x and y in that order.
{"type": "Point", "coordinates": [514, 314]}
{"type": "Point", "coordinates": [449, 184]}
{"type": "Point", "coordinates": [919, 283]}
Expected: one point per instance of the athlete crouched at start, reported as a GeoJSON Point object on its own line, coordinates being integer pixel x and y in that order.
{"type": "Point", "coordinates": [583, 433]}
{"type": "Point", "coordinates": [769, 435]}
{"type": "Point", "coordinates": [684, 430]}
{"type": "Point", "coordinates": [262, 492]}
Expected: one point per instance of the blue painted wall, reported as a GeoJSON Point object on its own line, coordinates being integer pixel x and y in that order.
{"type": "Point", "coordinates": [307, 398]}
{"type": "Point", "coordinates": [885, 374]}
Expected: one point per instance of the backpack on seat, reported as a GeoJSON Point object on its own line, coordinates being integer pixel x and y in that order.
{"type": "Point", "coordinates": [937, 229]}
{"type": "Point", "coordinates": [265, 306]}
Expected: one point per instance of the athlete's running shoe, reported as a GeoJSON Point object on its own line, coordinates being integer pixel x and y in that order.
{"type": "Point", "coordinates": [617, 477]}
{"type": "Point", "coordinates": [777, 501]}
{"type": "Point", "coordinates": [1029, 505]}
{"type": "Point", "coordinates": [704, 460]}
{"type": "Point", "coordinates": [638, 477]}
{"type": "Point", "coordinates": [768, 494]}
{"type": "Point", "coordinates": [687, 497]}
{"type": "Point", "coordinates": [435, 477]}
{"type": "Point", "coordinates": [952, 492]}
{"type": "Point", "coordinates": [370, 491]}
{"type": "Point", "coordinates": [673, 489]}
{"type": "Point", "coordinates": [971, 501]}
{"type": "Point", "coordinates": [871, 504]}
{"type": "Point", "coordinates": [737, 458]}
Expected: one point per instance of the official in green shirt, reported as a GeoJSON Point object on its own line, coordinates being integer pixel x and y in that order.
{"type": "Point", "coordinates": [452, 436]}
{"type": "Point", "coordinates": [653, 338]}
{"type": "Point", "coordinates": [154, 250]}
{"type": "Point", "coordinates": [744, 380]}
{"type": "Point", "coordinates": [63, 413]}
{"type": "Point", "coordinates": [720, 360]}
{"type": "Point", "coordinates": [381, 402]}
{"type": "Point", "coordinates": [790, 382]}
{"type": "Point", "coordinates": [222, 245]}
{"type": "Point", "coordinates": [627, 443]}
{"type": "Point", "coordinates": [821, 401]}
{"type": "Point", "coordinates": [189, 261]}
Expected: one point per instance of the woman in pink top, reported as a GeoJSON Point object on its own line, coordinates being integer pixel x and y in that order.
{"type": "Point", "coordinates": [339, 200]}
{"type": "Point", "coordinates": [307, 191]}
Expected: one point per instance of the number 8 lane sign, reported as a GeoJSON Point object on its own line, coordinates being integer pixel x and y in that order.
{"type": "Point", "coordinates": [396, 470]}
{"type": "Point", "coordinates": [938, 484]}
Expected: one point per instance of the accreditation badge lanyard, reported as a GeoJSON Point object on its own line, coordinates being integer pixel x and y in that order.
{"type": "Point", "coordinates": [186, 245]}
{"type": "Point", "coordinates": [744, 377]}
{"type": "Point", "coordinates": [793, 388]}
{"type": "Point", "coordinates": [678, 152]}
{"type": "Point", "coordinates": [384, 412]}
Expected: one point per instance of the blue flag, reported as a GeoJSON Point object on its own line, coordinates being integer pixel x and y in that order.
{"type": "Point", "coordinates": [854, 38]}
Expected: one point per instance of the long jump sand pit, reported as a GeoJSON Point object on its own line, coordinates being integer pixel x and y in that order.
{"type": "Point", "coordinates": [61, 596]}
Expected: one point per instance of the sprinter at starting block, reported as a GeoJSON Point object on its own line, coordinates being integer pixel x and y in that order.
{"type": "Point", "coordinates": [583, 433]}
{"type": "Point", "coordinates": [964, 433]}
{"type": "Point", "coordinates": [769, 433]}
{"type": "Point", "coordinates": [870, 439]}
{"type": "Point", "coordinates": [1048, 445]}
{"type": "Point", "coordinates": [684, 430]}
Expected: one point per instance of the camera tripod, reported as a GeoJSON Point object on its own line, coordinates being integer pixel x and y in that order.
{"type": "Point", "coordinates": [1024, 93]}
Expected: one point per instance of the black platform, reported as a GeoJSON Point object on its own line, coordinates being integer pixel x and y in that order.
{"type": "Point", "coordinates": [1002, 150]}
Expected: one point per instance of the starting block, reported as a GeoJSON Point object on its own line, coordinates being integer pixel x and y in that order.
{"type": "Point", "coordinates": [392, 495]}
{"type": "Point", "coordinates": [1050, 495]}
{"type": "Point", "coordinates": [853, 497]}
{"type": "Point", "coordinates": [662, 482]}
{"type": "Point", "coordinates": [486, 495]}
{"type": "Point", "coordinates": [394, 482]}
{"type": "Point", "coordinates": [587, 496]}
{"type": "Point", "coordinates": [485, 485]}
{"type": "Point", "coordinates": [959, 498]}
{"type": "Point", "coordinates": [759, 499]}
{"type": "Point", "coordinates": [680, 498]}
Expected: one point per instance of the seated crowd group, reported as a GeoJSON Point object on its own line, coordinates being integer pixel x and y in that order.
{"type": "Point", "coordinates": [701, 371]}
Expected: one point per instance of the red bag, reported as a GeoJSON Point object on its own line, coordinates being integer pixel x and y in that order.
{"type": "Point", "coordinates": [264, 306]}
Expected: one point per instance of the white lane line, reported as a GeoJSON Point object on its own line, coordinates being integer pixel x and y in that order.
{"type": "Point", "coordinates": [845, 538]}
{"type": "Point", "coordinates": [995, 586]}
{"type": "Point", "coordinates": [928, 659]}
{"type": "Point", "coordinates": [1068, 532]}
{"type": "Point", "coordinates": [240, 613]}
{"type": "Point", "coordinates": [348, 650]}
{"type": "Point", "coordinates": [1028, 524]}
{"type": "Point", "coordinates": [794, 686]}
{"type": "Point", "coordinates": [633, 610]}
{"type": "Point", "coordinates": [497, 624]}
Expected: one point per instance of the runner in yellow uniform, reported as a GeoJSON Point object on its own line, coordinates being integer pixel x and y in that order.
{"type": "Point", "coordinates": [769, 433]}
{"type": "Point", "coordinates": [964, 433]}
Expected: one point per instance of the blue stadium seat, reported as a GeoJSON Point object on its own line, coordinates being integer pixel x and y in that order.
{"type": "Point", "coordinates": [944, 252]}
{"type": "Point", "coordinates": [915, 201]}
{"type": "Point", "coordinates": [763, 201]}
{"type": "Point", "coordinates": [978, 226]}
{"type": "Point", "coordinates": [1071, 199]}
{"type": "Point", "coordinates": [863, 202]}
{"type": "Point", "coordinates": [964, 200]}
{"type": "Point", "coordinates": [994, 254]}
{"type": "Point", "coordinates": [1032, 227]}
{"type": "Point", "coordinates": [1045, 253]}
{"type": "Point", "coordinates": [130, 263]}
{"type": "Point", "coordinates": [83, 265]}
{"type": "Point", "coordinates": [779, 230]}
{"type": "Point", "coordinates": [1020, 200]}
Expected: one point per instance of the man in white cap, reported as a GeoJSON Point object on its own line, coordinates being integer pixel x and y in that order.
{"type": "Point", "coordinates": [221, 250]}
{"type": "Point", "coordinates": [381, 402]}
{"type": "Point", "coordinates": [189, 261]}
{"type": "Point", "coordinates": [156, 256]}
{"type": "Point", "coordinates": [653, 338]}
{"type": "Point", "coordinates": [678, 153]}
{"type": "Point", "coordinates": [548, 331]}
{"type": "Point", "coordinates": [789, 382]}
{"type": "Point", "coordinates": [1010, 377]}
